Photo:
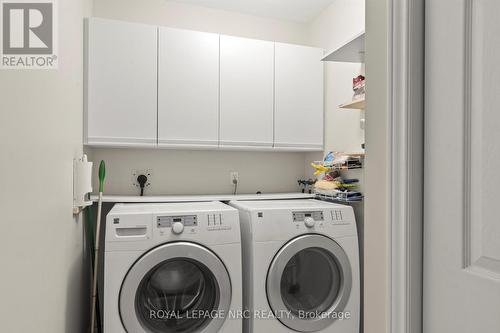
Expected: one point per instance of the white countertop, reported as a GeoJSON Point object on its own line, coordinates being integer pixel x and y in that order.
{"type": "Point", "coordinates": [199, 198]}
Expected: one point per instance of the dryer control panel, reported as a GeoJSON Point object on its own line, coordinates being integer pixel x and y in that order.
{"type": "Point", "coordinates": [168, 221]}
{"type": "Point", "coordinates": [142, 226]}
{"type": "Point", "coordinates": [190, 224]}
{"type": "Point", "coordinates": [302, 216]}
{"type": "Point", "coordinates": [177, 224]}
{"type": "Point", "coordinates": [271, 220]}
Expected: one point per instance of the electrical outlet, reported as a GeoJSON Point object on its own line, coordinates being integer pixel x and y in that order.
{"type": "Point", "coordinates": [234, 176]}
{"type": "Point", "coordinates": [137, 172]}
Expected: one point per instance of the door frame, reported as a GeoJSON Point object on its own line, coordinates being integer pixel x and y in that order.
{"type": "Point", "coordinates": [406, 101]}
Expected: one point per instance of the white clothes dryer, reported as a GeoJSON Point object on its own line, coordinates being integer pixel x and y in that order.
{"type": "Point", "coordinates": [300, 266]}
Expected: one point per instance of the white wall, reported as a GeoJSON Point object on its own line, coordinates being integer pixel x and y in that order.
{"type": "Point", "coordinates": [377, 171]}
{"type": "Point", "coordinates": [41, 243]}
{"type": "Point", "coordinates": [192, 172]}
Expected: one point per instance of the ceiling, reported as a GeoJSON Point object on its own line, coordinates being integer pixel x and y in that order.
{"type": "Point", "coordinates": [294, 10]}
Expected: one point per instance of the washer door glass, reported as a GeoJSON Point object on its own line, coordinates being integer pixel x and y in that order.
{"type": "Point", "coordinates": [310, 281]}
{"type": "Point", "coordinates": [178, 287]}
{"type": "Point", "coordinates": [172, 292]}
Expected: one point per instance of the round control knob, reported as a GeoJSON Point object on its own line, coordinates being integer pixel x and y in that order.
{"type": "Point", "coordinates": [309, 222]}
{"type": "Point", "coordinates": [177, 228]}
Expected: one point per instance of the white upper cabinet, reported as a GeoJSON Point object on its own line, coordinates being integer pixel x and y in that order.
{"type": "Point", "coordinates": [188, 88]}
{"type": "Point", "coordinates": [121, 101]}
{"type": "Point", "coordinates": [246, 92]}
{"type": "Point", "coordinates": [299, 97]}
{"type": "Point", "coordinates": [149, 86]}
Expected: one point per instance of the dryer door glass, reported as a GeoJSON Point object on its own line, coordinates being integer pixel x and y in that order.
{"type": "Point", "coordinates": [178, 287]}
{"type": "Point", "coordinates": [172, 293]}
{"type": "Point", "coordinates": [309, 283]}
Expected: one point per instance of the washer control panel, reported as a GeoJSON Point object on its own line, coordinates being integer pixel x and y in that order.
{"type": "Point", "coordinates": [307, 216]}
{"type": "Point", "coordinates": [169, 221]}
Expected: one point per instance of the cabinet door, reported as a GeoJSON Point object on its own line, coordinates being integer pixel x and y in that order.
{"type": "Point", "coordinates": [121, 84]}
{"type": "Point", "coordinates": [188, 88]}
{"type": "Point", "coordinates": [299, 97]}
{"type": "Point", "coordinates": [246, 92]}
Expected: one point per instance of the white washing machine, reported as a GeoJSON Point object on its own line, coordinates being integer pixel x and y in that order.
{"type": "Point", "coordinates": [172, 267]}
{"type": "Point", "coordinates": [300, 266]}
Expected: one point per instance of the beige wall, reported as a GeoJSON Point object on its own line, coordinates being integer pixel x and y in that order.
{"type": "Point", "coordinates": [200, 172]}
{"type": "Point", "coordinates": [377, 237]}
{"type": "Point", "coordinates": [41, 242]}
{"type": "Point", "coordinates": [337, 24]}
{"type": "Point", "coordinates": [185, 16]}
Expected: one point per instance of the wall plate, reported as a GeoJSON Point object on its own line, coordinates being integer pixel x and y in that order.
{"type": "Point", "coordinates": [137, 172]}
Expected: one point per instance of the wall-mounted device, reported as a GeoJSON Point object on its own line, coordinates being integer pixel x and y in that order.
{"type": "Point", "coordinates": [82, 183]}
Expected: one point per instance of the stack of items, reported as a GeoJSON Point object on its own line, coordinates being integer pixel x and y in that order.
{"type": "Point", "coordinates": [332, 185]}
{"type": "Point", "coordinates": [358, 85]}
{"type": "Point", "coordinates": [339, 161]}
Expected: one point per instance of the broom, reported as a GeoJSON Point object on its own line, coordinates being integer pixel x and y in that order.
{"type": "Point", "coordinates": [102, 174]}
{"type": "Point", "coordinates": [89, 232]}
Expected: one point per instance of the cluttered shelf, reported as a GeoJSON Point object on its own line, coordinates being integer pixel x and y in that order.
{"type": "Point", "coordinates": [338, 196]}
{"type": "Point", "coordinates": [358, 99]}
{"type": "Point", "coordinates": [339, 161]}
{"type": "Point", "coordinates": [334, 185]}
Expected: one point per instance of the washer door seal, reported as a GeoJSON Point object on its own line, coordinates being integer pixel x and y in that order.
{"type": "Point", "coordinates": [309, 283]}
{"type": "Point", "coordinates": [174, 279]}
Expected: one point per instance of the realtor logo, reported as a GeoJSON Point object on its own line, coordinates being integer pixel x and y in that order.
{"type": "Point", "coordinates": [28, 34]}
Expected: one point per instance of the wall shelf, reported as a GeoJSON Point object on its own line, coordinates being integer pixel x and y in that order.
{"type": "Point", "coordinates": [351, 51]}
{"type": "Point", "coordinates": [358, 104]}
